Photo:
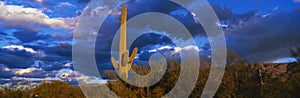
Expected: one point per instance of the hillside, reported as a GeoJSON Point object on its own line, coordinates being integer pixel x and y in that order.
{"type": "Point", "coordinates": [245, 80]}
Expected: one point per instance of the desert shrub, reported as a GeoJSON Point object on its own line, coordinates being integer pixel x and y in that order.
{"type": "Point", "coordinates": [240, 80]}
{"type": "Point", "coordinates": [56, 89]}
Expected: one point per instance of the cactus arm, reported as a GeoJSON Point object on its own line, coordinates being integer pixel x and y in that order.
{"type": "Point", "coordinates": [124, 59]}
{"type": "Point", "coordinates": [114, 63]}
{"type": "Point", "coordinates": [133, 55]}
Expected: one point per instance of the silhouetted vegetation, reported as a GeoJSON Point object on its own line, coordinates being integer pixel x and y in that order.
{"type": "Point", "coordinates": [55, 89]}
{"type": "Point", "coordinates": [240, 80]}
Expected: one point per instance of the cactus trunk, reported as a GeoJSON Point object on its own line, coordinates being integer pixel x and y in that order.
{"type": "Point", "coordinates": [123, 31]}
{"type": "Point", "coordinates": [125, 62]}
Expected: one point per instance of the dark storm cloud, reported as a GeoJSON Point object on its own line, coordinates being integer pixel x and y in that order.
{"type": "Point", "coordinates": [226, 15]}
{"type": "Point", "coordinates": [62, 49]}
{"type": "Point", "coordinates": [188, 20]}
{"type": "Point", "coordinates": [5, 73]}
{"type": "Point", "coordinates": [51, 58]}
{"type": "Point", "coordinates": [8, 73]}
{"type": "Point", "coordinates": [151, 39]}
{"type": "Point", "coordinates": [266, 38]}
{"type": "Point", "coordinates": [28, 36]}
{"type": "Point", "coordinates": [260, 38]}
{"type": "Point", "coordinates": [47, 58]}
{"type": "Point", "coordinates": [223, 13]}
{"type": "Point", "coordinates": [52, 62]}
{"type": "Point", "coordinates": [57, 65]}
{"type": "Point", "coordinates": [16, 58]}
{"type": "Point", "coordinates": [54, 51]}
{"type": "Point", "coordinates": [46, 63]}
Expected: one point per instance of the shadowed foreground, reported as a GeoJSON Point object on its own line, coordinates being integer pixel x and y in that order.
{"type": "Point", "coordinates": [240, 80]}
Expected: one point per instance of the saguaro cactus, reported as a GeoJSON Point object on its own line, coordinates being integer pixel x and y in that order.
{"type": "Point", "coordinates": [125, 62]}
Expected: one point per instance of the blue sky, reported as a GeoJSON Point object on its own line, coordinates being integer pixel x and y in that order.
{"type": "Point", "coordinates": [36, 35]}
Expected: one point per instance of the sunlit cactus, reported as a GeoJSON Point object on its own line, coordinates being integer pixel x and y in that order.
{"type": "Point", "coordinates": [125, 62]}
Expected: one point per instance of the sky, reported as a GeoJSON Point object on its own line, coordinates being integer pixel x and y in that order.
{"type": "Point", "coordinates": [36, 35]}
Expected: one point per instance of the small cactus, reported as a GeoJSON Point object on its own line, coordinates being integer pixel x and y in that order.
{"type": "Point", "coordinates": [125, 62]}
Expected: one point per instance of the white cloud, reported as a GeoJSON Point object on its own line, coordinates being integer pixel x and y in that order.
{"type": "Point", "coordinates": [176, 52]}
{"type": "Point", "coordinates": [31, 79]}
{"type": "Point", "coordinates": [266, 15]}
{"type": "Point", "coordinates": [40, 1]}
{"type": "Point", "coordinates": [187, 48]}
{"type": "Point", "coordinates": [68, 64]}
{"type": "Point", "coordinates": [68, 74]}
{"type": "Point", "coordinates": [4, 68]}
{"type": "Point", "coordinates": [31, 19]}
{"type": "Point", "coordinates": [13, 47]}
{"type": "Point", "coordinates": [175, 49]}
{"type": "Point", "coordinates": [90, 19]}
{"type": "Point", "coordinates": [62, 4]}
{"type": "Point", "coordinates": [161, 48]}
{"type": "Point", "coordinates": [221, 25]}
{"type": "Point", "coordinates": [283, 60]}
{"type": "Point", "coordinates": [24, 71]}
